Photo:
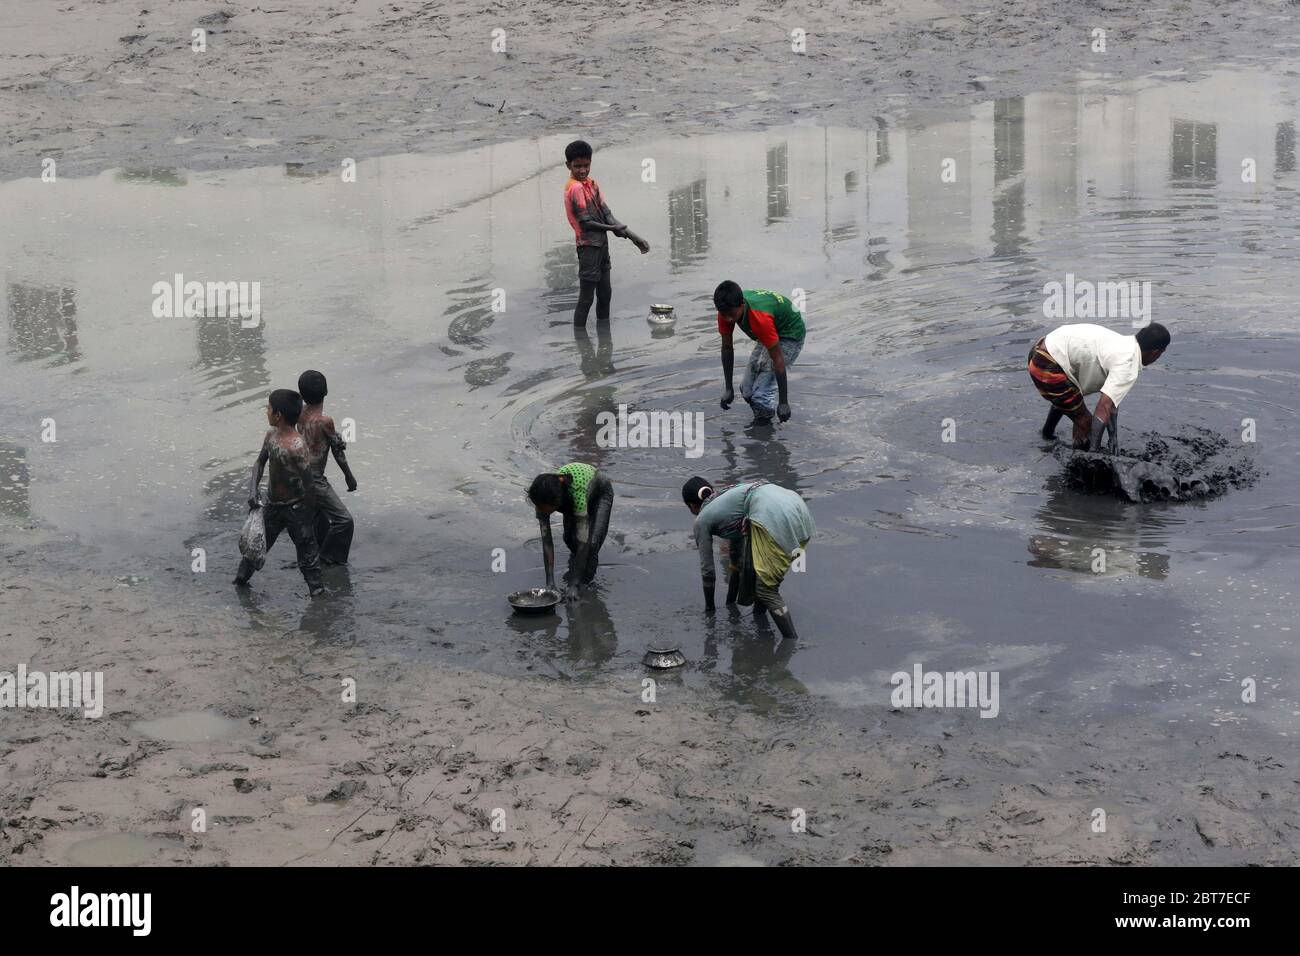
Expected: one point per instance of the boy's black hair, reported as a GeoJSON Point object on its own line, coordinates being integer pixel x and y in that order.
{"type": "Point", "coordinates": [728, 295]}
{"type": "Point", "coordinates": [547, 489]}
{"type": "Point", "coordinates": [1153, 337]}
{"type": "Point", "coordinates": [691, 491]}
{"type": "Point", "coordinates": [312, 387]}
{"type": "Point", "coordinates": [288, 403]}
{"type": "Point", "coordinates": [578, 149]}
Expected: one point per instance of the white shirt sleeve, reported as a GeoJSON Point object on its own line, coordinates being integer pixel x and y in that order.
{"type": "Point", "coordinates": [1121, 375]}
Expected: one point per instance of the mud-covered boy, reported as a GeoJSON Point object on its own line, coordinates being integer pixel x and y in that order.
{"type": "Point", "coordinates": [333, 520]}
{"type": "Point", "coordinates": [290, 494]}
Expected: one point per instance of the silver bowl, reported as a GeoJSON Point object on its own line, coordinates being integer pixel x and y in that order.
{"type": "Point", "coordinates": [663, 657]}
{"type": "Point", "coordinates": [661, 314]}
{"type": "Point", "coordinates": [534, 600]}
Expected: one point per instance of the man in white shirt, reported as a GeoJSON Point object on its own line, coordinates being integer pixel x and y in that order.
{"type": "Point", "coordinates": [1077, 360]}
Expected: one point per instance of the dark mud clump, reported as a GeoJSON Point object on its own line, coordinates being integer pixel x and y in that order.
{"type": "Point", "coordinates": [1197, 463]}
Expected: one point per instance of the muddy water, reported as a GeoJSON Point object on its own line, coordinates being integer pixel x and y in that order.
{"type": "Point", "coordinates": [436, 292]}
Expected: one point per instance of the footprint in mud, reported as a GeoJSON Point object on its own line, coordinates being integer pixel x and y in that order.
{"type": "Point", "coordinates": [1196, 463]}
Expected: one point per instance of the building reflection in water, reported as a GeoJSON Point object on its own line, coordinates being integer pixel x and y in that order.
{"type": "Point", "coordinates": [1008, 177]}
{"type": "Point", "coordinates": [15, 481]}
{"type": "Point", "coordinates": [688, 225]}
{"type": "Point", "coordinates": [1284, 147]}
{"type": "Point", "coordinates": [778, 183]}
{"type": "Point", "coordinates": [232, 358]}
{"type": "Point", "coordinates": [43, 322]}
{"type": "Point", "coordinates": [1193, 154]}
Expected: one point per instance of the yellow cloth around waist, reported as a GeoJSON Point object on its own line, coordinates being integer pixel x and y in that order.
{"type": "Point", "coordinates": [770, 562]}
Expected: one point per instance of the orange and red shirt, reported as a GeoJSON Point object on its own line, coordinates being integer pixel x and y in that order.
{"type": "Point", "coordinates": [583, 200]}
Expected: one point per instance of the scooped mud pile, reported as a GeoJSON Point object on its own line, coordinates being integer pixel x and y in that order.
{"type": "Point", "coordinates": [1197, 463]}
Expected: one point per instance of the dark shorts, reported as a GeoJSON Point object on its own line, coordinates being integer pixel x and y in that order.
{"type": "Point", "coordinates": [1052, 382]}
{"type": "Point", "coordinates": [593, 263]}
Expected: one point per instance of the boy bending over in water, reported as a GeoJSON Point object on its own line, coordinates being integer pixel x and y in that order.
{"type": "Point", "coordinates": [584, 497]}
{"type": "Point", "coordinates": [333, 524]}
{"type": "Point", "coordinates": [290, 495]}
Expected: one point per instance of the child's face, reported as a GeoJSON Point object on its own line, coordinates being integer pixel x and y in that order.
{"type": "Point", "coordinates": [545, 510]}
{"type": "Point", "coordinates": [273, 418]}
{"type": "Point", "coordinates": [734, 315]}
{"type": "Point", "coordinates": [580, 168]}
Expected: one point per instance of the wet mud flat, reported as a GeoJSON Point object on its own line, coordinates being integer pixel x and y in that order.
{"type": "Point", "coordinates": [115, 83]}
{"type": "Point", "coordinates": [254, 732]}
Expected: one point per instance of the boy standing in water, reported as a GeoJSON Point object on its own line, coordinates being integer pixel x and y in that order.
{"type": "Point", "coordinates": [333, 522]}
{"type": "Point", "coordinates": [592, 221]}
{"type": "Point", "coordinates": [290, 495]}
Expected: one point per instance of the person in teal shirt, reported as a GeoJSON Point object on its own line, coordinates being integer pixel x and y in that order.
{"type": "Point", "coordinates": [766, 527]}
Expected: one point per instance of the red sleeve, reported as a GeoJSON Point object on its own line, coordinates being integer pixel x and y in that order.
{"type": "Point", "coordinates": [723, 325]}
{"type": "Point", "coordinates": [764, 327]}
{"type": "Point", "coordinates": [577, 197]}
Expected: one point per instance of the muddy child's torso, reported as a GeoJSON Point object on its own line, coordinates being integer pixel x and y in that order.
{"type": "Point", "coordinates": [288, 458]}
{"type": "Point", "coordinates": [315, 426]}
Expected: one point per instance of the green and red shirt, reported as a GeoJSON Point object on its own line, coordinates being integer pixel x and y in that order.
{"type": "Point", "coordinates": [770, 317]}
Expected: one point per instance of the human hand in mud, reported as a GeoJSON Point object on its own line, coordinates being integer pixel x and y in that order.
{"type": "Point", "coordinates": [352, 483]}
{"type": "Point", "coordinates": [1082, 429]}
{"type": "Point", "coordinates": [1112, 427]}
{"type": "Point", "coordinates": [783, 412]}
{"type": "Point", "coordinates": [1098, 429]}
{"type": "Point", "coordinates": [728, 397]}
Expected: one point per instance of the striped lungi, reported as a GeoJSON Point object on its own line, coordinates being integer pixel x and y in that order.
{"type": "Point", "coordinates": [1052, 382]}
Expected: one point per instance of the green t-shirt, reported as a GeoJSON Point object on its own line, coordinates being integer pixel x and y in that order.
{"type": "Point", "coordinates": [770, 316]}
{"type": "Point", "coordinates": [580, 476]}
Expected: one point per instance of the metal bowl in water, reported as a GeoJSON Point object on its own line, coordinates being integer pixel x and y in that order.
{"type": "Point", "coordinates": [661, 314]}
{"type": "Point", "coordinates": [534, 600]}
{"type": "Point", "coordinates": [663, 656]}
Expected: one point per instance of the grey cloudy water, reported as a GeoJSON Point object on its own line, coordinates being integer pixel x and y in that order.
{"type": "Point", "coordinates": [923, 297]}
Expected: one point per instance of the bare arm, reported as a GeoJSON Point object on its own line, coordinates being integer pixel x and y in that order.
{"type": "Point", "coordinates": [1105, 408]}
{"type": "Point", "coordinates": [255, 478]}
{"type": "Point", "coordinates": [728, 367]}
{"type": "Point", "coordinates": [548, 550]}
{"type": "Point", "coordinates": [337, 446]}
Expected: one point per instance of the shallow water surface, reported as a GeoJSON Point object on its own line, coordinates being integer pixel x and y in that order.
{"type": "Point", "coordinates": [119, 849]}
{"type": "Point", "coordinates": [191, 726]}
{"type": "Point", "coordinates": [436, 293]}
